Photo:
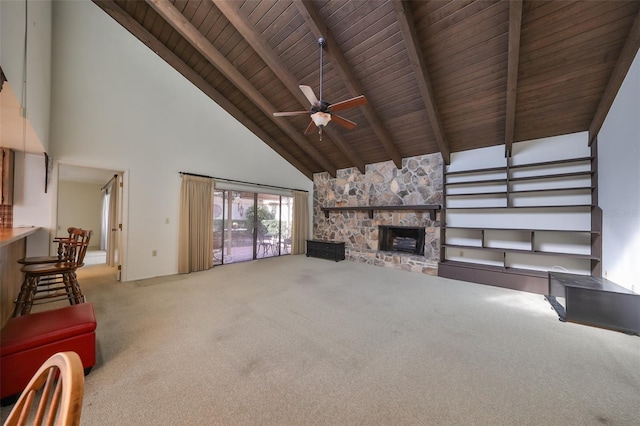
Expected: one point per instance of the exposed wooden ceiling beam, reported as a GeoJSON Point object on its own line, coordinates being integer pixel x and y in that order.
{"type": "Point", "coordinates": [625, 59]}
{"type": "Point", "coordinates": [419, 65]}
{"type": "Point", "coordinates": [166, 9]}
{"type": "Point", "coordinates": [319, 29]}
{"type": "Point", "coordinates": [515, 25]}
{"type": "Point", "coordinates": [124, 19]}
{"type": "Point", "coordinates": [232, 12]}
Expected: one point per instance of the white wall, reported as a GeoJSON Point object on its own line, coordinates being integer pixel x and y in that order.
{"type": "Point", "coordinates": [619, 184]}
{"type": "Point", "coordinates": [80, 206]}
{"type": "Point", "coordinates": [38, 78]}
{"type": "Point", "coordinates": [31, 205]}
{"type": "Point", "coordinates": [116, 105]}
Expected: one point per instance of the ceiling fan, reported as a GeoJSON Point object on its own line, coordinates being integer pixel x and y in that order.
{"type": "Point", "coordinates": [322, 112]}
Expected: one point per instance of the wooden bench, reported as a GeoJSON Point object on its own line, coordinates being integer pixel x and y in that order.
{"type": "Point", "coordinates": [28, 341]}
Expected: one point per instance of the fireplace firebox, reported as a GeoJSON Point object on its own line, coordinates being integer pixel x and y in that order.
{"type": "Point", "coordinates": [406, 239]}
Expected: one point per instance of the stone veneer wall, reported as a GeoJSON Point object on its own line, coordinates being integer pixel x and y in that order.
{"type": "Point", "coordinates": [419, 182]}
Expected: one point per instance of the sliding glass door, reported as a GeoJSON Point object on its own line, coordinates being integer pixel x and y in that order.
{"type": "Point", "coordinates": [250, 226]}
{"type": "Point", "coordinates": [267, 225]}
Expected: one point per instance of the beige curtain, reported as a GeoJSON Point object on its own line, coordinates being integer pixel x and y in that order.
{"type": "Point", "coordinates": [195, 239]}
{"type": "Point", "coordinates": [300, 223]}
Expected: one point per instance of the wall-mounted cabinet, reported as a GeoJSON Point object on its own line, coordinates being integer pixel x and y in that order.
{"type": "Point", "coordinates": [524, 219]}
{"type": "Point", "coordinates": [6, 176]}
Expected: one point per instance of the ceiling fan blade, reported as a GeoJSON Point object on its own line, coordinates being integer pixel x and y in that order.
{"type": "Point", "coordinates": [343, 121]}
{"type": "Point", "coordinates": [349, 103]}
{"type": "Point", "coordinates": [286, 114]}
{"type": "Point", "coordinates": [310, 128]}
{"type": "Point", "coordinates": [308, 93]}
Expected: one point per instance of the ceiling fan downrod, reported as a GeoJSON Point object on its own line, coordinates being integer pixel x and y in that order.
{"type": "Point", "coordinates": [322, 42]}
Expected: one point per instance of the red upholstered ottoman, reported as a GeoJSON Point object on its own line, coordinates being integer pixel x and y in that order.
{"type": "Point", "coordinates": [27, 341]}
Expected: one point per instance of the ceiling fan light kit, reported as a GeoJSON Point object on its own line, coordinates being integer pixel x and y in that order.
{"type": "Point", "coordinates": [321, 119]}
{"type": "Point", "coordinates": [322, 112]}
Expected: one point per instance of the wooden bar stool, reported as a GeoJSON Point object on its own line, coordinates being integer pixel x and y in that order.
{"type": "Point", "coordinates": [63, 252]}
{"type": "Point", "coordinates": [53, 278]}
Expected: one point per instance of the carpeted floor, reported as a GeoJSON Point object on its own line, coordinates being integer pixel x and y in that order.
{"type": "Point", "coordinates": [304, 341]}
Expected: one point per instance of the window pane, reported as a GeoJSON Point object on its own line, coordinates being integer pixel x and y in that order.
{"type": "Point", "coordinates": [218, 209]}
{"type": "Point", "coordinates": [286, 217]}
{"type": "Point", "coordinates": [238, 229]}
{"type": "Point", "coordinates": [268, 226]}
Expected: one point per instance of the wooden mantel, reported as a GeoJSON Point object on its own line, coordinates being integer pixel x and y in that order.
{"type": "Point", "coordinates": [431, 208]}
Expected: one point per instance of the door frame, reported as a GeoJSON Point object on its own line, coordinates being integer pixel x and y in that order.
{"type": "Point", "coordinates": [124, 208]}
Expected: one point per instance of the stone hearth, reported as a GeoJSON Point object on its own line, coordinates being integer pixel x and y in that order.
{"type": "Point", "coordinates": [419, 182]}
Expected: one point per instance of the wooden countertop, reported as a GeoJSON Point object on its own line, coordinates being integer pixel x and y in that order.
{"type": "Point", "coordinates": [10, 235]}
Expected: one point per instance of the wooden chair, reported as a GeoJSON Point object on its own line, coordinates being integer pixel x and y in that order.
{"type": "Point", "coordinates": [63, 249]}
{"type": "Point", "coordinates": [64, 253]}
{"type": "Point", "coordinates": [48, 279]}
{"type": "Point", "coordinates": [58, 388]}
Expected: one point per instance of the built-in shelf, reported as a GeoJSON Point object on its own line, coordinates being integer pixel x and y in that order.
{"type": "Point", "coordinates": [567, 189]}
{"type": "Point", "coordinates": [520, 166]}
{"type": "Point", "coordinates": [521, 191]}
{"type": "Point", "coordinates": [522, 251]}
{"type": "Point", "coordinates": [487, 170]}
{"type": "Point", "coordinates": [553, 206]}
{"type": "Point", "coordinates": [472, 228]}
{"type": "Point", "coordinates": [551, 163]}
{"type": "Point", "coordinates": [477, 194]}
{"type": "Point", "coordinates": [431, 208]}
{"type": "Point", "coordinates": [553, 176]}
{"type": "Point", "coordinates": [479, 182]}
{"type": "Point", "coordinates": [494, 250]}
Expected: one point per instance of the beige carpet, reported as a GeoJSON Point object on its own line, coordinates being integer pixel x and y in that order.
{"type": "Point", "coordinates": [304, 341]}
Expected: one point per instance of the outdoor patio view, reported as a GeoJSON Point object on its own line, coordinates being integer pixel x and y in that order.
{"type": "Point", "coordinates": [249, 225]}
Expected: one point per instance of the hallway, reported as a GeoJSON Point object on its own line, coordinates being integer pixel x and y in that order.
{"type": "Point", "coordinates": [95, 257]}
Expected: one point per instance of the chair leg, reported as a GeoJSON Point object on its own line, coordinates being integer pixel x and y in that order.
{"type": "Point", "coordinates": [21, 297]}
{"type": "Point", "coordinates": [76, 292]}
{"type": "Point", "coordinates": [68, 288]}
{"type": "Point", "coordinates": [24, 302]}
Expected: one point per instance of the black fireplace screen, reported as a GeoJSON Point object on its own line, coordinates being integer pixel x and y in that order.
{"type": "Point", "coordinates": [405, 239]}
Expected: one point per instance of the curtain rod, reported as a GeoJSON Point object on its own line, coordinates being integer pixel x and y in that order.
{"type": "Point", "coordinates": [108, 182]}
{"type": "Point", "coordinates": [246, 183]}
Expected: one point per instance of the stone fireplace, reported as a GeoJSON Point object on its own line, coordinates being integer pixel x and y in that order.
{"type": "Point", "coordinates": [418, 182]}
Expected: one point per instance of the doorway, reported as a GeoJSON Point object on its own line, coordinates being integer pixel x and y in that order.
{"type": "Point", "coordinates": [92, 198]}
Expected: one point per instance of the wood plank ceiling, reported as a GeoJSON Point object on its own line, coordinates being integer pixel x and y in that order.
{"type": "Point", "coordinates": [439, 76]}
